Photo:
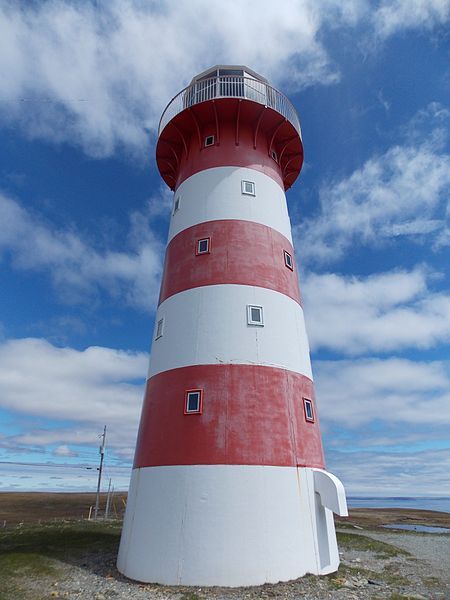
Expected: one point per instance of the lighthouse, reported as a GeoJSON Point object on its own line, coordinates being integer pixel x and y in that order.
{"type": "Point", "coordinates": [229, 485]}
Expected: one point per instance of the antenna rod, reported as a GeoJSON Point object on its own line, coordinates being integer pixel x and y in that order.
{"type": "Point", "coordinates": [102, 454]}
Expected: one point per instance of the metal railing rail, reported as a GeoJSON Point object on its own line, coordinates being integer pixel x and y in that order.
{"type": "Point", "coordinates": [230, 86]}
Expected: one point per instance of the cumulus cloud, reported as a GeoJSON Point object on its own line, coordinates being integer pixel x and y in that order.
{"type": "Point", "coordinates": [86, 388]}
{"type": "Point", "coordinates": [396, 391]}
{"type": "Point", "coordinates": [64, 383]}
{"type": "Point", "coordinates": [79, 269]}
{"type": "Point", "coordinates": [64, 451]}
{"type": "Point", "coordinates": [99, 75]}
{"type": "Point", "coordinates": [403, 192]}
{"type": "Point", "coordinates": [397, 15]}
{"type": "Point", "coordinates": [379, 313]}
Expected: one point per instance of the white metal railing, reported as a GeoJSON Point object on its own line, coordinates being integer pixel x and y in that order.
{"type": "Point", "coordinates": [230, 86]}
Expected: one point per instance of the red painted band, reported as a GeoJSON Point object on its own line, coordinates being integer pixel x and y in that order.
{"type": "Point", "coordinates": [251, 415]}
{"type": "Point", "coordinates": [240, 252]}
{"type": "Point", "coordinates": [242, 138]}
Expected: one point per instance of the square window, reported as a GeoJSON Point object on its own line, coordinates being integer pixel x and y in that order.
{"type": "Point", "coordinates": [209, 141]}
{"type": "Point", "coordinates": [255, 315]}
{"type": "Point", "coordinates": [248, 187]}
{"type": "Point", "coordinates": [176, 204]}
{"type": "Point", "coordinates": [308, 408]}
{"type": "Point", "coordinates": [202, 246]}
{"type": "Point", "coordinates": [159, 329]}
{"type": "Point", "coordinates": [193, 402]}
{"type": "Point", "coordinates": [288, 260]}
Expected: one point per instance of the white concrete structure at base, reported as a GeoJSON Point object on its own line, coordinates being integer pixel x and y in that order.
{"type": "Point", "coordinates": [178, 531]}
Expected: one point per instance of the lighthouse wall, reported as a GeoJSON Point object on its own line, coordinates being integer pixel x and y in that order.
{"type": "Point", "coordinates": [225, 525]}
{"type": "Point", "coordinates": [234, 492]}
{"type": "Point", "coordinates": [227, 497]}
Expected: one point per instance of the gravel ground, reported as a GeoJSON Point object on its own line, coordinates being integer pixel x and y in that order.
{"type": "Point", "coordinates": [363, 574]}
{"type": "Point", "coordinates": [432, 549]}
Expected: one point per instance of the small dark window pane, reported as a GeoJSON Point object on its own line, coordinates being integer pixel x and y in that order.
{"type": "Point", "coordinates": [193, 403]}
{"type": "Point", "coordinates": [209, 140]}
{"type": "Point", "coordinates": [256, 314]}
{"type": "Point", "coordinates": [203, 246]}
{"type": "Point", "coordinates": [308, 410]}
{"type": "Point", "coordinates": [159, 329]}
{"type": "Point", "coordinates": [288, 260]}
{"type": "Point", "coordinates": [248, 187]}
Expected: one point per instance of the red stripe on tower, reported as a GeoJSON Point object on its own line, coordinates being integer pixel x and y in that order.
{"type": "Point", "coordinates": [228, 251]}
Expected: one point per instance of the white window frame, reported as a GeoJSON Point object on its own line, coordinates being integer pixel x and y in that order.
{"type": "Point", "coordinates": [308, 403]}
{"type": "Point", "coordinates": [199, 252]}
{"type": "Point", "coordinates": [176, 204]}
{"type": "Point", "coordinates": [159, 328]}
{"type": "Point", "coordinates": [199, 409]}
{"type": "Point", "coordinates": [245, 191]}
{"type": "Point", "coordinates": [250, 320]}
{"type": "Point", "coordinates": [209, 141]}
{"type": "Point", "coordinates": [274, 156]}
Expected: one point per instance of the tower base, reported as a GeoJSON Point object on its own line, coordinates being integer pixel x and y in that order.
{"type": "Point", "coordinates": [229, 525]}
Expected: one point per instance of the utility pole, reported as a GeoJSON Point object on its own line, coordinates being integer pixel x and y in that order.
{"type": "Point", "coordinates": [102, 454]}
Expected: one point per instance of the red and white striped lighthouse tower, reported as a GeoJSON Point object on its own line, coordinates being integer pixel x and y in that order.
{"type": "Point", "coordinates": [228, 485]}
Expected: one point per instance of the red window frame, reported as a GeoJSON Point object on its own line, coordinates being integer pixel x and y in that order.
{"type": "Point", "coordinates": [200, 404]}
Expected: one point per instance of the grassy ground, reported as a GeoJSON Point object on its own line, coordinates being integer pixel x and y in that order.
{"type": "Point", "coordinates": [33, 558]}
{"type": "Point", "coordinates": [31, 507]}
{"type": "Point", "coordinates": [34, 553]}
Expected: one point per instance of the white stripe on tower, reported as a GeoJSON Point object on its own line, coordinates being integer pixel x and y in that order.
{"type": "Point", "coordinates": [208, 325]}
{"type": "Point", "coordinates": [216, 194]}
{"type": "Point", "coordinates": [228, 486]}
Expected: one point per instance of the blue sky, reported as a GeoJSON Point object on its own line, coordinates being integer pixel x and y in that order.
{"type": "Point", "coordinates": [84, 218]}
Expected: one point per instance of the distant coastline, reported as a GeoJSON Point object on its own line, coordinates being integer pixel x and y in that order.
{"type": "Point", "coordinates": [441, 503]}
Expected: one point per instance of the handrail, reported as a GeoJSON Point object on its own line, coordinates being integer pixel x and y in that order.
{"type": "Point", "coordinates": [230, 86]}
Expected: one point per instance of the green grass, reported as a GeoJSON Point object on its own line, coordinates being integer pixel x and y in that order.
{"type": "Point", "coordinates": [29, 552]}
{"type": "Point", "coordinates": [57, 540]}
{"type": "Point", "coordinates": [353, 541]}
{"type": "Point", "coordinates": [400, 597]}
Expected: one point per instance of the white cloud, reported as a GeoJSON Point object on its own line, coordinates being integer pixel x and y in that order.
{"type": "Point", "coordinates": [395, 391]}
{"type": "Point", "coordinates": [77, 268]}
{"type": "Point", "coordinates": [397, 15]}
{"type": "Point", "coordinates": [379, 313]}
{"type": "Point", "coordinates": [414, 474]}
{"type": "Point", "coordinates": [65, 451]}
{"type": "Point", "coordinates": [87, 389]}
{"type": "Point", "coordinates": [403, 192]}
{"type": "Point", "coordinates": [98, 75]}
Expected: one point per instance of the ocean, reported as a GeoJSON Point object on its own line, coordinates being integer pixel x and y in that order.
{"type": "Point", "coordinates": [441, 504]}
